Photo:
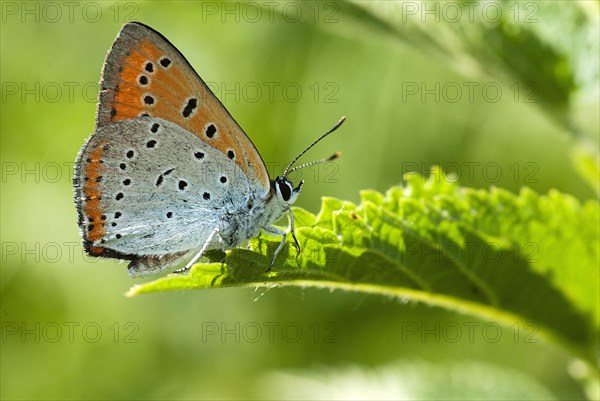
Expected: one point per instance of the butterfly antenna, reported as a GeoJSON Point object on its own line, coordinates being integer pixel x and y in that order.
{"type": "Point", "coordinates": [325, 160]}
{"type": "Point", "coordinates": [334, 156]}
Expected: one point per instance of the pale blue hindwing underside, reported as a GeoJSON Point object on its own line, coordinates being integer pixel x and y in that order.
{"type": "Point", "coordinates": [163, 189]}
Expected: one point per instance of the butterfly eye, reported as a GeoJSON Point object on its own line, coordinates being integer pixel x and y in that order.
{"type": "Point", "coordinates": [285, 189]}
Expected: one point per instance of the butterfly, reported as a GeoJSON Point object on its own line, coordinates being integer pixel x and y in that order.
{"type": "Point", "coordinates": [168, 174]}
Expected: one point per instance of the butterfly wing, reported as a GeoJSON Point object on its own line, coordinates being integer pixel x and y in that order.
{"type": "Point", "coordinates": [147, 188]}
{"type": "Point", "coordinates": [145, 75]}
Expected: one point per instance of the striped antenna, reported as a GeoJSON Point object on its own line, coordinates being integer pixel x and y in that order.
{"type": "Point", "coordinates": [332, 157]}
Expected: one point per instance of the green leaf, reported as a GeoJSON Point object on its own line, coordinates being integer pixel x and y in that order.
{"type": "Point", "coordinates": [587, 162]}
{"type": "Point", "coordinates": [511, 258]}
{"type": "Point", "coordinates": [541, 48]}
{"type": "Point", "coordinates": [542, 51]}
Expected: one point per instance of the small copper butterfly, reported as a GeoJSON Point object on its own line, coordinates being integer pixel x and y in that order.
{"type": "Point", "coordinates": [168, 173]}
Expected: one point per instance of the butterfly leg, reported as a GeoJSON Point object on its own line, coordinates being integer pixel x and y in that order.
{"type": "Point", "coordinates": [200, 253]}
{"type": "Point", "coordinates": [277, 231]}
{"type": "Point", "coordinates": [293, 231]}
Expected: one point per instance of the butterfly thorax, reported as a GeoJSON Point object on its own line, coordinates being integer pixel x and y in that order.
{"type": "Point", "coordinates": [239, 226]}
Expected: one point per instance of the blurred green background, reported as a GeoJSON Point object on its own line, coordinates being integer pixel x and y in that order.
{"type": "Point", "coordinates": [287, 71]}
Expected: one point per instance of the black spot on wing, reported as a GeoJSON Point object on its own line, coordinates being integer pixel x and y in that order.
{"type": "Point", "coordinates": [190, 107]}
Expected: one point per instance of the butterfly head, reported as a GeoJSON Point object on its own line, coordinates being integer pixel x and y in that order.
{"type": "Point", "coordinates": [285, 190]}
